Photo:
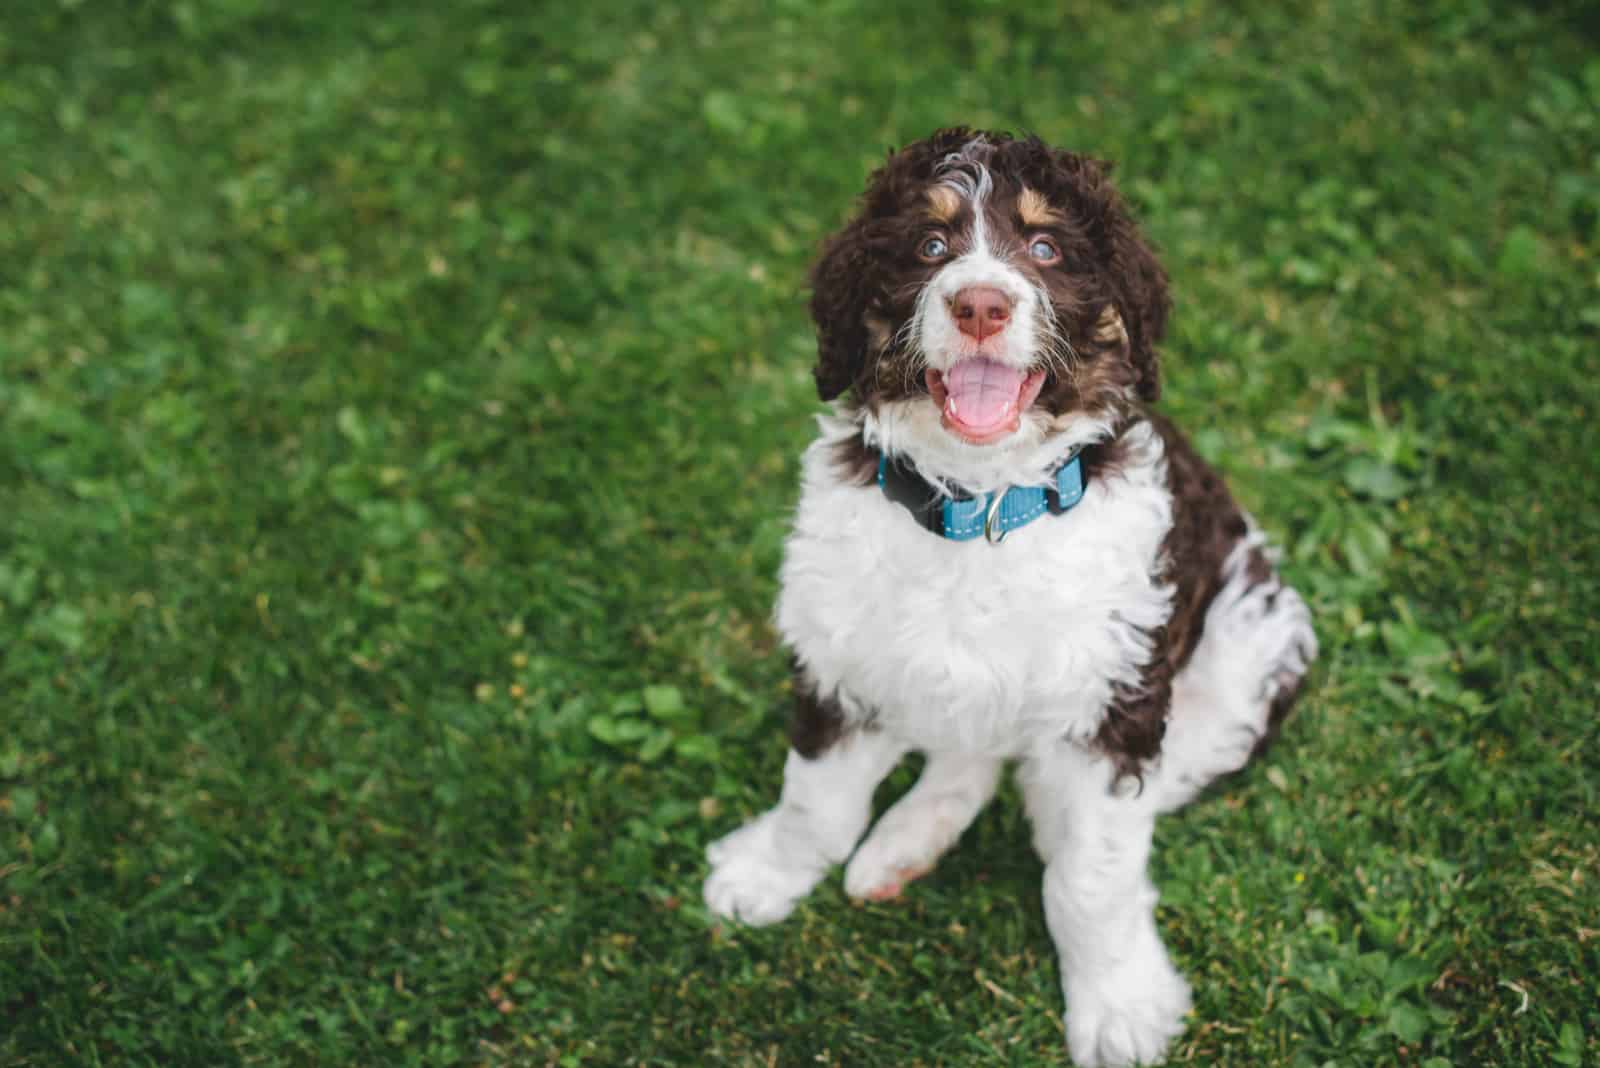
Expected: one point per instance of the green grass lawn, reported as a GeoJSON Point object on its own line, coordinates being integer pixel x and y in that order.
{"type": "Point", "coordinates": [399, 415]}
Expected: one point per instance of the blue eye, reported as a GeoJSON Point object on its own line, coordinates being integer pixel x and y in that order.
{"type": "Point", "coordinates": [934, 248]}
{"type": "Point", "coordinates": [1044, 250]}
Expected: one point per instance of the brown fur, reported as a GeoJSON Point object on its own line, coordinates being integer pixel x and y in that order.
{"type": "Point", "coordinates": [1277, 712]}
{"type": "Point", "coordinates": [1206, 525]}
{"type": "Point", "coordinates": [815, 722]}
{"type": "Point", "coordinates": [856, 462]}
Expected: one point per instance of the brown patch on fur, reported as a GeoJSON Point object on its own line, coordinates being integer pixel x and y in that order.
{"type": "Point", "coordinates": [1105, 459]}
{"type": "Point", "coordinates": [815, 722]}
{"type": "Point", "coordinates": [1136, 719]}
{"type": "Point", "coordinates": [1034, 210]}
{"type": "Point", "coordinates": [1206, 526]}
{"type": "Point", "coordinates": [1277, 712]}
{"type": "Point", "coordinates": [945, 203]}
{"type": "Point", "coordinates": [1258, 569]}
{"type": "Point", "coordinates": [856, 464]}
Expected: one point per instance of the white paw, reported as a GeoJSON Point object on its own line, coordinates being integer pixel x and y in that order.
{"type": "Point", "coordinates": [1128, 1018]}
{"type": "Point", "coordinates": [1269, 637]}
{"type": "Point", "coordinates": [884, 864]}
{"type": "Point", "coordinates": [751, 880]}
{"type": "Point", "coordinates": [905, 845]}
{"type": "Point", "coordinates": [1257, 644]}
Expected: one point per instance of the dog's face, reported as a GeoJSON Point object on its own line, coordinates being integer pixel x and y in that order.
{"type": "Point", "coordinates": [989, 291]}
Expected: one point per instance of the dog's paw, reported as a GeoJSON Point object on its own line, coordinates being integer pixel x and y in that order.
{"type": "Point", "coordinates": [904, 846]}
{"type": "Point", "coordinates": [1258, 644]}
{"type": "Point", "coordinates": [1268, 637]}
{"type": "Point", "coordinates": [1129, 1017]}
{"type": "Point", "coordinates": [881, 877]}
{"type": "Point", "coordinates": [751, 879]}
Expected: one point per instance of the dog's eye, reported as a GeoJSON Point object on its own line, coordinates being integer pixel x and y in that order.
{"type": "Point", "coordinates": [934, 248]}
{"type": "Point", "coordinates": [1043, 250]}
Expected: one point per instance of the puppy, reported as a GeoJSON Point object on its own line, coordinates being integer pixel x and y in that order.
{"type": "Point", "coordinates": [1001, 553]}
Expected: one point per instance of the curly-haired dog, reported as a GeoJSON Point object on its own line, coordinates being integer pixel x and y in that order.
{"type": "Point", "coordinates": [1002, 552]}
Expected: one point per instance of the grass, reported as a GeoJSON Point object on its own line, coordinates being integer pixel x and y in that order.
{"type": "Point", "coordinates": [399, 410]}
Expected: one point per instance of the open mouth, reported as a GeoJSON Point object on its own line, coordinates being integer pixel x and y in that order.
{"type": "Point", "coordinates": [982, 400]}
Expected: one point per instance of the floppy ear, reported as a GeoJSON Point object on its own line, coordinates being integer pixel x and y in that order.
{"type": "Point", "coordinates": [1139, 287]}
{"type": "Point", "coordinates": [842, 286]}
{"type": "Point", "coordinates": [848, 278]}
{"type": "Point", "coordinates": [1133, 277]}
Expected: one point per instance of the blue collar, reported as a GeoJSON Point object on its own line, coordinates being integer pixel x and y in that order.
{"type": "Point", "coordinates": [990, 515]}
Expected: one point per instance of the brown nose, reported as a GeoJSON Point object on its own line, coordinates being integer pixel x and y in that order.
{"type": "Point", "coordinates": [980, 311]}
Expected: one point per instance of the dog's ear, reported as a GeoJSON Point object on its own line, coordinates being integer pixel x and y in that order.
{"type": "Point", "coordinates": [1134, 279]}
{"type": "Point", "coordinates": [843, 283]}
{"type": "Point", "coordinates": [1140, 287]}
{"type": "Point", "coordinates": [849, 277]}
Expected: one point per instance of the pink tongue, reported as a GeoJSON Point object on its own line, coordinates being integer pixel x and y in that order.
{"type": "Point", "coordinates": [982, 392]}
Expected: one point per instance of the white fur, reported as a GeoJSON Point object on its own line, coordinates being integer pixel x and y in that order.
{"type": "Point", "coordinates": [958, 646]}
{"type": "Point", "coordinates": [940, 340]}
{"type": "Point", "coordinates": [1125, 1000]}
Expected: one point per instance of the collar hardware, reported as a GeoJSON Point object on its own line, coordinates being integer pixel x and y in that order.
{"type": "Point", "coordinates": [993, 533]}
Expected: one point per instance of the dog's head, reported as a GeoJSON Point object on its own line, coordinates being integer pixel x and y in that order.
{"type": "Point", "coordinates": [990, 292]}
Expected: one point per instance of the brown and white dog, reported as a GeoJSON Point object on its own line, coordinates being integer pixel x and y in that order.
{"type": "Point", "coordinates": [1002, 553]}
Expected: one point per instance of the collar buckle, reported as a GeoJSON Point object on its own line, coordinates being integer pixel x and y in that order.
{"type": "Point", "coordinates": [993, 531]}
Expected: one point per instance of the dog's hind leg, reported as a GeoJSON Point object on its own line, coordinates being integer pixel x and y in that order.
{"type": "Point", "coordinates": [911, 836]}
{"type": "Point", "coordinates": [1230, 698]}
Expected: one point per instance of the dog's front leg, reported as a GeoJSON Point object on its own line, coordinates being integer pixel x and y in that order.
{"type": "Point", "coordinates": [760, 871]}
{"type": "Point", "coordinates": [1125, 1000]}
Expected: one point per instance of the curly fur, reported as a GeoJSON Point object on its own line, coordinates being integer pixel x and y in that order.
{"type": "Point", "coordinates": [865, 270]}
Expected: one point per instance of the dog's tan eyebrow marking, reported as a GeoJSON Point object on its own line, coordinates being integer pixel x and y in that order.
{"type": "Point", "coordinates": [1035, 210]}
{"type": "Point", "coordinates": [946, 203]}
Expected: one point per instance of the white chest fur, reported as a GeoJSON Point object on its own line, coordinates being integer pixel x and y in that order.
{"type": "Point", "coordinates": [967, 645]}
